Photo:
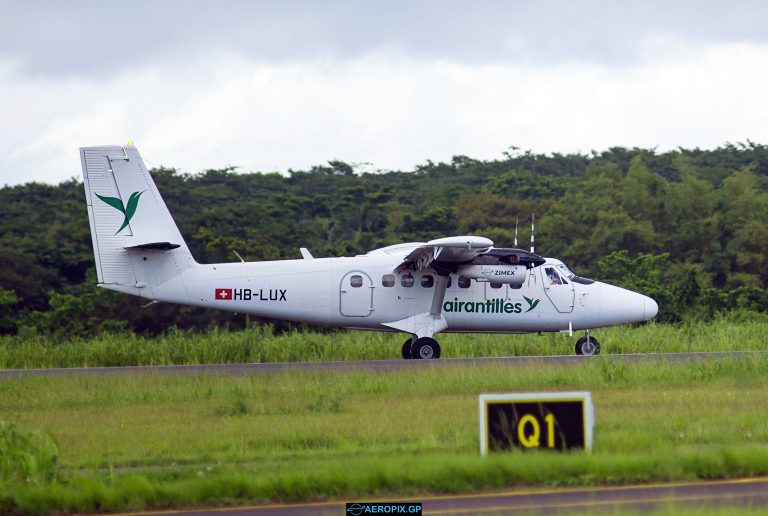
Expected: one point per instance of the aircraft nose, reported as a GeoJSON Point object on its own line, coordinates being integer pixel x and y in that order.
{"type": "Point", "coordinates": [651, 308]}
{"type": "Point", "coordinates": [622, 306]}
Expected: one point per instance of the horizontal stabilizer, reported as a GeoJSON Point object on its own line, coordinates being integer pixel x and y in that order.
{"type": "Point", "coordinates": [154, 246]}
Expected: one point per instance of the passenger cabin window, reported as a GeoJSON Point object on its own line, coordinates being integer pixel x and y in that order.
{"type": "Point", "coordinates": [388, 280]}
{"type": "Point", "coordinates": [554, 277]}
{"type": "Point", "coordinates": [406, 280]}
{"type": "Point", "coordinates": [450, 281]}
{"type": "Point", "coordinates": [427, 281]}
{"type": "Point", "coordinates": [495, 285]}
{"type": "Point", "coordinates": [356, 281]}
{"type": "Point", "coordinates": [464, 282]}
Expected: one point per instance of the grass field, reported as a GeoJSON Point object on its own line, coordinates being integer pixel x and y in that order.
{"type": "Point", "coordinates": [163, 440]}
{"type": "Point", "coordinates": [258, 344]}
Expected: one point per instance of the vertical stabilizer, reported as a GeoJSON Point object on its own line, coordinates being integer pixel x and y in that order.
{"type": "Point", "coordinates": [136, 243]}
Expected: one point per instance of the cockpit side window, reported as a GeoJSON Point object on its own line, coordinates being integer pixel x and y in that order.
{"type": "Point", "coordinates": [553, 277]}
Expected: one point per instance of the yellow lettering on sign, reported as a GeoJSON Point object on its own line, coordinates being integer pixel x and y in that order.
{"type": "Point", "coordinates": [531, 440]}
{"type": "Point", "coordinates": [550, 419]}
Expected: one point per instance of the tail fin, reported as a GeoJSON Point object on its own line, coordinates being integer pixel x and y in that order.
{"type": "Point", "coordinates": [136, 243]}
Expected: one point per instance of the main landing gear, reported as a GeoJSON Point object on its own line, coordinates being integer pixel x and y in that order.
{"type": "Point", "coordinates": [421, 348]}
{"type": "Point", "coordinates": [587, 346]}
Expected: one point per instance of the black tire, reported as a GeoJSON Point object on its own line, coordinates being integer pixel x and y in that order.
{"type": "Point", "coordinates": [587, 346]}
{"type": "Point", "coordinates": [407, 349]}
{"type": "Point", "coordinates": [425, 348]}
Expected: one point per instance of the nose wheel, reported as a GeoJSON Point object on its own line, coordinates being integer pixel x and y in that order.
{"type": "Point", "coordinates": [423, 348]}
{"type": "Point", "coordinates": [587, 346]}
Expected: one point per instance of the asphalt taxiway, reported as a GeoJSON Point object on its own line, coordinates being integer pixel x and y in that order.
{"type": "Point", "coordinates": [371, 365]}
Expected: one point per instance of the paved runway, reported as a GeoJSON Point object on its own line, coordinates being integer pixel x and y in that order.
{"type": "Point", "coordinates": [370, 365]}
{"type": "Point", "coordinates": [726, 494]}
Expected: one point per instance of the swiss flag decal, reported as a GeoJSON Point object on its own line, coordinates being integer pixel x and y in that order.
{"type": "Point", "coordinates": [224, 294]}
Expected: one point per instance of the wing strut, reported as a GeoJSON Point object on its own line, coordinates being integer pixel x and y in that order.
{"type": "Point", "coordinates": [437, 300]}
{"type": "Point", "coordinates": [426, 324]}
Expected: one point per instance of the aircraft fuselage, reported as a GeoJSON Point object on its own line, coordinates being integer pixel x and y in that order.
{"type": "Point", "coordinates": [363, 292]}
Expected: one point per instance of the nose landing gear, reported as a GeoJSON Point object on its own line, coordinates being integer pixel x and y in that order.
{"type": "Point", "coordinates": [587, 346]}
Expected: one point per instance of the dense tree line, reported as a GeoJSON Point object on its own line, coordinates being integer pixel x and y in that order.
{"type": "Point", "coordinates": [688, 227]}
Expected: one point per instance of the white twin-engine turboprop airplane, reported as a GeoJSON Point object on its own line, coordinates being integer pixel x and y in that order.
{"type": "Point", "coordinates": [454, 284]}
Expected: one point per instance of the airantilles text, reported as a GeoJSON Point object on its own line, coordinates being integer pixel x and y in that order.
{"type": "Point", "coordinates": [490, 306]}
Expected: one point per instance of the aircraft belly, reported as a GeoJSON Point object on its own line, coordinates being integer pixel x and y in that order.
{"type": "Point", "coordinates": [501, 323]}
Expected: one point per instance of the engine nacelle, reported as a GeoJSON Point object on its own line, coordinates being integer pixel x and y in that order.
{"type": "Point", "coordinates": [507, 274]}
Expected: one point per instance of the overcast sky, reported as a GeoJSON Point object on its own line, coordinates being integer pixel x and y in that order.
{"type": "Point", "coordinates": [269, 86]}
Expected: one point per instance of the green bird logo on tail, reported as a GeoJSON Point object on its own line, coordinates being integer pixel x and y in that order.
{"type": "Point", "coordinates": [531, 303]}
{"type": "Point", "coordinates": [128, 210]}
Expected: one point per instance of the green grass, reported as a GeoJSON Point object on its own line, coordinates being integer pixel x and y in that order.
{"type": "Point", "coordinates": [259, 345]}
{"type": "Point", "coordinates": [167, 440]}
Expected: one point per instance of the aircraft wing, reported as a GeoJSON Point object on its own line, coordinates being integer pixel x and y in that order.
{"type": "Point", "coordinates": [456, 249]}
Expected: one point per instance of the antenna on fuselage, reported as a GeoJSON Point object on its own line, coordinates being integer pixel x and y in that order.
{"type": "Point", "coordinates": [532, 276]}
{"type": "Point", "coordinates": [533, 229]}
{"type": "Point", "coordinates": [517, 219]}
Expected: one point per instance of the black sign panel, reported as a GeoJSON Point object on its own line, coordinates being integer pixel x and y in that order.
{"type": "Point", "coordinates": [537, 423]}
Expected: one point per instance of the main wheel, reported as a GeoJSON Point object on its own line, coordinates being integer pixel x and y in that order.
{"type": "Point", "coordinates": [407, 349]}
{"type": "Point", "coordinates": [587, 346]}
{"type": "Point", "coordinates": [425, 348]}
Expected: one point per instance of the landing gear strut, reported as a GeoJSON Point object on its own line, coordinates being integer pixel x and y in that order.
{"type": "Point", "coordinates": [587, 346]}
{"type": "Point", "coordinates": [407, 348]}
{"type": "Point", "coordinates": [422, 348]}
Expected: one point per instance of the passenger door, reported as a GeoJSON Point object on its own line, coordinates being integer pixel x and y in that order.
{"type": "Point", "coordinates": [356, 295]}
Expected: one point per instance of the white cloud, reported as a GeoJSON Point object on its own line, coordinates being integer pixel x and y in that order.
{"type": "Point", "coordinates": [392, 110]}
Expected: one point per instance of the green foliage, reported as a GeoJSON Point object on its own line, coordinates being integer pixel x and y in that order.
{"type": "Point", "coordinates": [705, 211]}
{"type": "Point", "coordinates": [8, 299]}
{"type": "Point", "coordinates": [27, 457]}
{"type": "Point", "coordinates": [744, 329]}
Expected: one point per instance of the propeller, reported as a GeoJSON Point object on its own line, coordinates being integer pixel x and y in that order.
{"type": "Point", "coordinates": [517, 219]}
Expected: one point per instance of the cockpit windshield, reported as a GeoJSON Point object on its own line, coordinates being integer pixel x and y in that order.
{"type": "Point", "coordinates": [565, 271]}
{"type": "Point", "coordinates": [568, 273]}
